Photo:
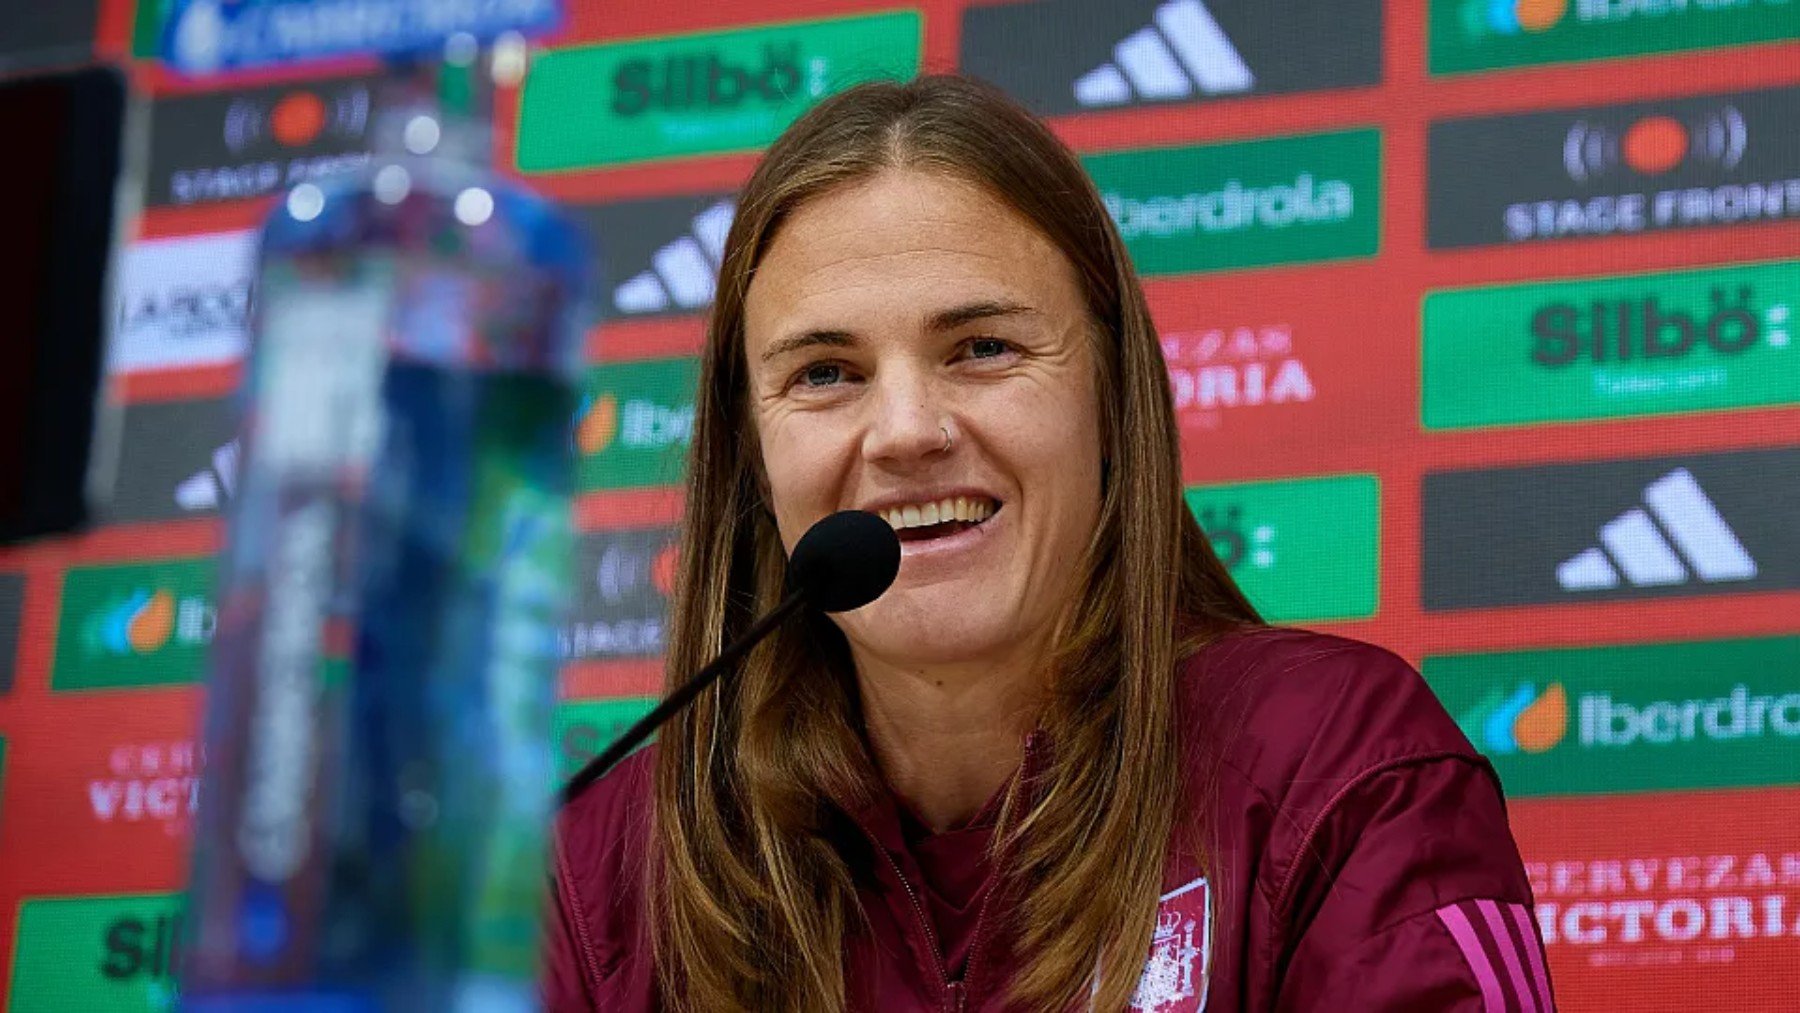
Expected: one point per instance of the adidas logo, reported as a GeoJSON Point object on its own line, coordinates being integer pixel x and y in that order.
{"type": "Point", "coordinates": [210, 487]}
{"type": "Point", "coordinates": [1675, 536]}
{"type": "Point", "coordinates": [682, 272]}
{"type": "Point", "coordinates": [1182, 50]}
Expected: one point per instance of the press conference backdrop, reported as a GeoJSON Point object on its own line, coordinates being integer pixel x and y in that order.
{"type": "Point", "coordinates": [1480, 318]}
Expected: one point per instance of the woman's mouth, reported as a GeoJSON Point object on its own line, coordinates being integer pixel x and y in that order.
{"type": "Point", "coordinates": [940, 518]}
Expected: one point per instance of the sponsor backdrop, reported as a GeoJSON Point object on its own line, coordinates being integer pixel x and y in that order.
{"type": "Point", "coordinates": [1480, 318]}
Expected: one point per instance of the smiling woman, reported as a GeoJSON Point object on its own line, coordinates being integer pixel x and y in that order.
{"type": "Point", "coordinates": [1060, 763]}
{"type": "Point", "coordinates": [885, 315]}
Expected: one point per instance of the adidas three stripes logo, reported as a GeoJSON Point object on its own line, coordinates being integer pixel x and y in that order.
{"type": "Point", "coordinates": [1182, 51]}
{"type": "Point", "coordinates": [1503, 952]}
{"type": "Point", "coordinates": [683, 271]}
{"type": "Point", "coordinates": [1677, 535]}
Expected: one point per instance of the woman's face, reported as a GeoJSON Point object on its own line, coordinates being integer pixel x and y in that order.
{"type": "Point", "coordinates": [884, 315]}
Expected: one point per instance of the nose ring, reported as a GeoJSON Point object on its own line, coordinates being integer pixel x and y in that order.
{"type": "Point", "coordinates": [946, 431]}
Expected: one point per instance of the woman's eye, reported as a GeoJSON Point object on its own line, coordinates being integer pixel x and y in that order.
{"type": "Point", "coordinates": [821, 374]}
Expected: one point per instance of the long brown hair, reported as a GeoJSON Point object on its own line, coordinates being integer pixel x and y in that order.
{"type": "Point", "coordinates": [751, 899]}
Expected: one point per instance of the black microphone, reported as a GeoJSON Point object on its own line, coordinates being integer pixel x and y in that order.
{"type": "Point", "coordinates": [843, 562]}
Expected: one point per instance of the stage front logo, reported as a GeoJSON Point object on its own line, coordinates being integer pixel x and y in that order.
{"type": "Point", "coordinates": [1720, 160]}
{"type": "Point", "coordinates": [246, 143]}
{"type": "Point", "coordinates": [626, 577]}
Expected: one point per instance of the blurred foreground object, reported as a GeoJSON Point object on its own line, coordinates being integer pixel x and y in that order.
{"type": "Point", "coordinates": [59, 186]}
{"type": "Point", "coordinates": [378, 782]}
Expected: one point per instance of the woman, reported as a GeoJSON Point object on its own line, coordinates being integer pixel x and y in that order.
{"type": "Point", "coordinates": [1061, 763]}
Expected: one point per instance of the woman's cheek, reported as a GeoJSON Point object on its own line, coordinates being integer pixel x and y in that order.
{"type": "Point", "coordinates": [801, 469]}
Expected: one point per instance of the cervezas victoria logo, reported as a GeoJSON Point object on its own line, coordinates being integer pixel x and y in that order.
{"type": "Point", "coordinates": [156, 782]}
{"type": "Point", "coordinates": [1730, 159]}
{"type": "Point", "coordinates": [254, 142]}
{"type": "Point", "coordinates": [1479, 34]}
{"type": "Point", "coordinates": [1217, 370]}
{"type": "Point", "coordinates": [1066, 56]}
{"type": "Point", "coordinates": [1644, 907]}
{"type": "Point", "coordinates": [1630, 718]}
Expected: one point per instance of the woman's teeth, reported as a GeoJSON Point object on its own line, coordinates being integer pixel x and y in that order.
{"type": "Point", "coordinates": [960, 508]}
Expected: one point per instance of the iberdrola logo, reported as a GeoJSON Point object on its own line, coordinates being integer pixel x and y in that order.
{"type": "Point", "coordinates": [596, 423]}
{"type": "Point", "coordinates": [1523, 721]}
{"type": "Point", "coordinates": [139, 623]}
{"type": "Point", "coordinates": [1510, 17]}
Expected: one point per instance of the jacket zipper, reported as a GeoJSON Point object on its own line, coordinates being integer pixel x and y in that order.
{"type": "Point", "coordinates": [976, 944]}
{"type": "Point", "coordinates": [956, 991]}
{"type": "Point", "coordinates": [937, 951]}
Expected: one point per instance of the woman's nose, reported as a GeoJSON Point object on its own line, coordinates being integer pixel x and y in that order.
{"type": "Point", "coordinates": [906, 423]}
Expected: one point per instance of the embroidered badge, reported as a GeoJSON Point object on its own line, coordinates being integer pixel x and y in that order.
{"type": "Point", "coordinates": [1174, 979]}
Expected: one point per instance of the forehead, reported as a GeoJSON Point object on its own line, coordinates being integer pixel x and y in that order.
{"type": "Point", "coordinates": [903, 242]}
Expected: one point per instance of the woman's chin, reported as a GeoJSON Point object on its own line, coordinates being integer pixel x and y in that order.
{"type": "Point", "coordinates": [948, 634]}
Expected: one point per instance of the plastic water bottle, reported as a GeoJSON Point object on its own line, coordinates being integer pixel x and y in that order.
{"type": "Point", "coordinates": [378, 789]}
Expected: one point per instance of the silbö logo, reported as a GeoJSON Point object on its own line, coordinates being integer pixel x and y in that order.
{"type": "Point", "coordinates": [707, 80]}
{"type": "Point", "coordinates": [1234, 208]}
{"type": "Point", "coordinates": [1621, 330]}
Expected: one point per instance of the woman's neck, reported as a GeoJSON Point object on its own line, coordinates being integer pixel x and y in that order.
{"type": "Point", "coordinates": [947, 737]}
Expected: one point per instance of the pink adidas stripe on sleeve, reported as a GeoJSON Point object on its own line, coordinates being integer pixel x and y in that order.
{"type": "Point", "coordinates": [1505, 959]}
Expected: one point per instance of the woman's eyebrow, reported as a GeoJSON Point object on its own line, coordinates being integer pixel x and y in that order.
{"type": "Point", "coordinates": [956, 316]}
{"type": "Point", "coordinates": [943, 320]}
{"type": "Point", "coordinates": [808, 339]}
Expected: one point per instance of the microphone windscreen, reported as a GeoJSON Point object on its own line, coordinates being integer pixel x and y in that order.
{"type": "Point", "coordinates": [845, 561]}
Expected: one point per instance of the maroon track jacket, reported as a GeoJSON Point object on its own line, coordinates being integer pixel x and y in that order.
{"type": "Point", "coordinates": [1360, 860]}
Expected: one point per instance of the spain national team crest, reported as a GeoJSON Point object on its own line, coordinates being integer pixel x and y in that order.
{"type": "Point", "coordinates": [1174, 978]}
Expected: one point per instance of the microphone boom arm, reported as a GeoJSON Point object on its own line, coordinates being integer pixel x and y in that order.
{"type": "Point", "coordinates": [623, 746]}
